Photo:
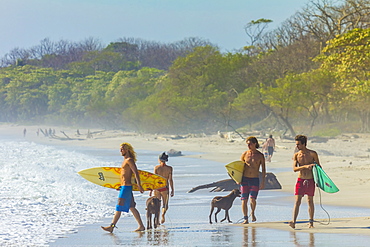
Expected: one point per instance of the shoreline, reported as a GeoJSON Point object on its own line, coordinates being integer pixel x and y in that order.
{"type": "Point", "coordinates": [342, 169]}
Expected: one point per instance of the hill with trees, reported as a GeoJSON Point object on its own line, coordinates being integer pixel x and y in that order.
{"type": "Point", "coordinates": [312, 70]}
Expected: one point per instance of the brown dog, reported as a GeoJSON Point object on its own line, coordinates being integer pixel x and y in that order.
{"type": "Point", "coordinates": [153, 206]}
{"type": "Point", "coordinates": [223, 202]}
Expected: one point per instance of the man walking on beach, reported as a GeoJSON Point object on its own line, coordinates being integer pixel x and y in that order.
{"type": "Point", "coordinates": [250, 184]}
{"type": "Point", "coordinates": [126, 199]}
{"type": "Point", "coordinates": [303, 161]}
{"type": "Point", "coordinates": [270, 147]}
{"type": "Point", "coordinates": [163, 194]}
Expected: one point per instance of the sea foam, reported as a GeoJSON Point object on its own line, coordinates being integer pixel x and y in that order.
{"type": "Point", "coordinates": [42, 196]}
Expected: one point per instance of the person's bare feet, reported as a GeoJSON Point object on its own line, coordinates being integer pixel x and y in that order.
{"type": "Point", "coordinates": [163, 219]}
{"type": "Point", "coordinates": [254, 218]}
{"type": "Point", "coordinates": [141, 228]}
{"type": "Point", "coordinates": [245, 221]}
{"type": "Point", "coordinates": [108, 228]}
{"type": "Point", "coordinates": [292, 224]}
{"type": "Point", "coordinates": [311, 224]}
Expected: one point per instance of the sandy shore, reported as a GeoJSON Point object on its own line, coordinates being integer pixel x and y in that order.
{"type": "Point", "coordinates": [345, 159]}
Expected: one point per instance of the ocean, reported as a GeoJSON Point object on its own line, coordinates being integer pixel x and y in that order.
{"type": "Point", "coordinates": [45, 202]}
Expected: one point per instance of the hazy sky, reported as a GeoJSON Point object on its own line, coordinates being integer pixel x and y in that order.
{"type": "Point", "coordinates": [24, 23]}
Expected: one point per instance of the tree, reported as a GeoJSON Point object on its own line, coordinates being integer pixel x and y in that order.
{"type": "Point", "coordinates": [348, 57]}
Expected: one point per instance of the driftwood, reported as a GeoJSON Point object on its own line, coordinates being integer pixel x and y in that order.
{"type": "Point", "coordinates": [271, 183]}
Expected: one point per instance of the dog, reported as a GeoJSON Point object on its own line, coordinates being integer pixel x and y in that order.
{"type": "Point", "coordinates": [153, 206]}
{"type": "Point", "coordinates": [223, 202]}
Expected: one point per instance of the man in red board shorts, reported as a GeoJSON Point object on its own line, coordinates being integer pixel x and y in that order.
{"type": "Point", "coordinates": [303, 161]}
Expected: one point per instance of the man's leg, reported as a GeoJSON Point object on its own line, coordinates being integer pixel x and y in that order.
{"type": "Point", "coordinates": [311, 209]}
{"type": "Point", "coordinates": [297, 204]}
{"type": "Point", "coordinates": [245, 210]}
{"type": "Point", "coordinates": [116, 217]}
{"type": "Point", "coordinates": [138, 219]}
{"type": "Point", "coordinates": [253, 208]}
{"type": "Point", "coordinates": [165, 198]}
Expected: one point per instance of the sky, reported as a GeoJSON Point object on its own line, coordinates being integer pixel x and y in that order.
{"type": "Point", "coordinates": [24, 23]}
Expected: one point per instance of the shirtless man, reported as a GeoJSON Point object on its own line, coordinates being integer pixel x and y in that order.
{"type": "Point", "coordinates": [303, 161]}
{"type": "Point", "coordinates": [126, 199]}
{"type": "Point", "coordinates": [250, 185]}
{"type": "Point", "coordinates": [270, 147]}
{"type": "Point", "coordinates": [163, 194]}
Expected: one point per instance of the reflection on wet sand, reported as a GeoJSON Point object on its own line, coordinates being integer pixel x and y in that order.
{"type": "Point", "coordinates": [157, 236]}
{"type": "Point", "coordinates": [301, 240]}
{"type": "Point", "coordinates": [249, 236]}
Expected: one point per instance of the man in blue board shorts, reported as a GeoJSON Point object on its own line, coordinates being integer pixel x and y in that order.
{"type": "Point", "coordinates": [250, 185]}
{"type": "Point", "coordinates": [125, 198]}
{"type": "Point", "coordinates": [303, 161]}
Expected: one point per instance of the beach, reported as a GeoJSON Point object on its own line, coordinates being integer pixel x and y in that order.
{"type": "Point", "coordinates": [344, 158]}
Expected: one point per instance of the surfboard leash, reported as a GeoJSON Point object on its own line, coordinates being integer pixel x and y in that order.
{"type": "Point", "coordinates": [323, 209]}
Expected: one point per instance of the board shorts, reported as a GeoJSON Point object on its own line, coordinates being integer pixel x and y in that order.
{"type": "Point", "coordinates": [126, 193]}
{"type": "Point", "coordinates": [305, 187]}
{"type": "Point", "coordinates": [249, 187]}
{"type": "Point", "coordinates": [270, 150]}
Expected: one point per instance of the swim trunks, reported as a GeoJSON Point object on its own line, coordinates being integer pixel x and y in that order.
{"type": "Point", "coordinates": [126, 193]}
{"type": "Point", "coordinates": [270, 150]}
{"type": "Point", "coordinates": [305, 187]}
{"type": "Point", "coordinates": [249, 187]}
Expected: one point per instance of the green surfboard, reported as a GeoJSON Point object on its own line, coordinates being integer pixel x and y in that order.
{"type": "Point", "coordinates": [323, 181]}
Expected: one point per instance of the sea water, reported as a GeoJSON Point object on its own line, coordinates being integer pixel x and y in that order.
{"type": "Point", "coordinates": [43, 198]}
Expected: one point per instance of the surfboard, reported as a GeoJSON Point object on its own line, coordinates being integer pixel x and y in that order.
{"type": "Point", "coordinates": [110, 177]}
{"type": "Point", "coordinates": [323, 181]}
{"type": "Point", "coordinates": [235, 170]}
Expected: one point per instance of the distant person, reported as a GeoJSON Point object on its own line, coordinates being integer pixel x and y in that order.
{"type": "Point", "coordinates": [250, 184]}
{"type": "Point", "coordinates": [163, 194]}
{"type": "Point", "coordinates": [126, 199]}
{"type": "Point", "coordinates": [269, 146]}
{"type": "Point", "coordinates": [24, 132]}
{"type": "Point", "coordinates": [303, 161]}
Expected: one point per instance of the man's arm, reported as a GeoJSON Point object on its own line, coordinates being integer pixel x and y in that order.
{"type": "Point", "coordinates": [242, 157]}
{"type": "Point", "coordinates": [315, 157]}
{"type": "Point", "coordinates": [136, 174]}
{"type": "Point", "coordinates": [297, 168]}
{"type": "Point", "coordinates": [171, 183]}
{"type": "Point", "coordinates": [263, 164]}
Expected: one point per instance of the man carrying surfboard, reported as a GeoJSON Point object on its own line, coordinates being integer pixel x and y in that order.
{"type": "Point", "coordinates": [250, 184]}
{"type": "Point", "coordinates": [126, 199]}
{"type": "Point", "coordinates": [163, 194]}
{"type": "Point", "coordinates": [303, 162]}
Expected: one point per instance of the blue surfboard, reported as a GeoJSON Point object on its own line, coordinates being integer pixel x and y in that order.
{"type": "Point", "coordinates": [323, 181]}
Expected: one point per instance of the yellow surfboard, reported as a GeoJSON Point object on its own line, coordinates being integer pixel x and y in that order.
{"type": "Point", "coordinates": [110, 177]}
{"type": "Point", "coordinates": [235, 170]}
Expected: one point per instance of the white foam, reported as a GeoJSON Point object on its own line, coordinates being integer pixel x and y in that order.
{"type": "Point", "coordinates": [43, 197]}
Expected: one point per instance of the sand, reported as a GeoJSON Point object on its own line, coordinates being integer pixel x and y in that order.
{"type": "Point", "coordinates": [344, 158]}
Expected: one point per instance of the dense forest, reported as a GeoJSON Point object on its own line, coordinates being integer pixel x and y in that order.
{"type": "Point", "coordinates": [313, 70]}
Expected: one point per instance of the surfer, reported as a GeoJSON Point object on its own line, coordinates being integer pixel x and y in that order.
{"type": "Point", "coordinates": [163, 194]}
{"type": "Point", "coordinates": [303, 161]}
{"type": "Point", "coordinates": [250, 184]}
{"type": "Point", "coordinates": [126, 199]}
